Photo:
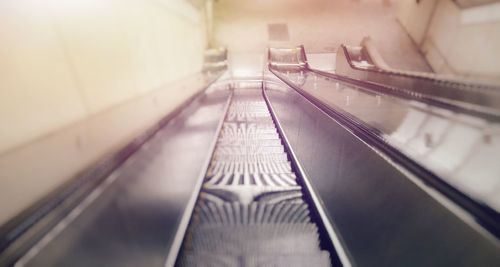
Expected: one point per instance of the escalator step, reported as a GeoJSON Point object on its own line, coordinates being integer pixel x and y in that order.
{"type": "Point", "coordinates": [251, 211]}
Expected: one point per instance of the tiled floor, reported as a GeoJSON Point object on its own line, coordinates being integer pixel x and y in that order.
{"type": "Point", "coordinates": [320, 25]}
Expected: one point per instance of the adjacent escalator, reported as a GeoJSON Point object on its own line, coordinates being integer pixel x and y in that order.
{"type": "Point", "coordinates": [419, 132]}
{"type": "Point", "coordinates": [384, 212]}
{"type": "Point", "coordinates": [365, 63]}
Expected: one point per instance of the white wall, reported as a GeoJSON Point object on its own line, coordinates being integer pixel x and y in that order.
{"type": "Point", "coordinates": [79, 78]}
{"type": "Point", "coordinates": [457, 47]}
{"type": "Point", "coordinates": [415, 17]}
{"type": "Point", "coordinates": [61, 60]}
{"type": "Point", "coordinates": [456, 42]}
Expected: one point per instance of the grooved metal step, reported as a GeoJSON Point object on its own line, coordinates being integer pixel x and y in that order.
{"type": "Point", "coordinates": [251, 211]}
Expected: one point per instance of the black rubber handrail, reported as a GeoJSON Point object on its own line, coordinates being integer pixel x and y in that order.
{"type": "Point", "coordinates": [326, 237]}
{"type": "Point", "coordinates": [432, 77]}
{"type": "Point", "coordinates": [471, 95]}
{"type": "Point", "coordinates": [410, 95]}
{"type": "Point", "coordinates": [449, 104]}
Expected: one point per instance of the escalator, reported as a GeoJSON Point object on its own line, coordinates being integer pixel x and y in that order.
{"type": "Point", "coordinates": [292, 167]}
{"type": "Point", "coordinates": [417, 129]}
{"type": "Point", "coordinates": [365, 63]}
{"type": "Point", "coordinates": [252, 211]}
{"type": "Point", "coordinates": [444, 148]}
{"type": "Point", "coordinates": [134, 215]}
{"type": "Point", "coordinates": [252, 206]}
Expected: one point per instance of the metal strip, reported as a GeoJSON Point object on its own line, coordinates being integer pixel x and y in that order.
{"type": "Point", "coordinates": [481, 218]}
{"type": "Point", "coordinates": [337, 243]}
{"type": "Point", "coordinates": [186, 217]}
{"type": "Point", "coordinates": [455, 105]}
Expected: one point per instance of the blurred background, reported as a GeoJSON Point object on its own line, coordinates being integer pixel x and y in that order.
{"type": "Point", "coordinates": [79, 79]}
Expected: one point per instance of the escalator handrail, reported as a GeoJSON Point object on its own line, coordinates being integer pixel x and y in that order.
{"type": "Point", "coordinates": [471, 94]}
{"type": "Point", "coordinates": [486, 217]}
{"type": "Point", "coordinates": [455, 82]}
{"type": "Point", "coordinates": [444, 103]}
{"type": "Point", "coordinates": [341, 255]}
{"type": "Point", "coordinates": [472, 109]}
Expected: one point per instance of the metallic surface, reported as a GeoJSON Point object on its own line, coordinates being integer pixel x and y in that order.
{"type": "Point", "coordinates": [104, 141]}
{"type": "Point", "coordinates": [251, 211]}
{"type": "Point", "coordinates": [418, 134]}
{"type": "Point", "coordinates": [254, 210]}
{"type": "Point", "coordinates": [340, 257]}
{"type": "Point", "coordinates": [381, 216]}
{"type": "Point", "coordinates": [424, 133]}
{"type": "Point", "coordinates": [357, 63]}
{"type": "Point", "coordinates": [133, 217]}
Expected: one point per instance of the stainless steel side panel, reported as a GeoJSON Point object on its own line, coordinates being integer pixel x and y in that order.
{"type": "Point", "coordinates": [132, 220]}
{"type": "Point", "coordinates": [382, 217]}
